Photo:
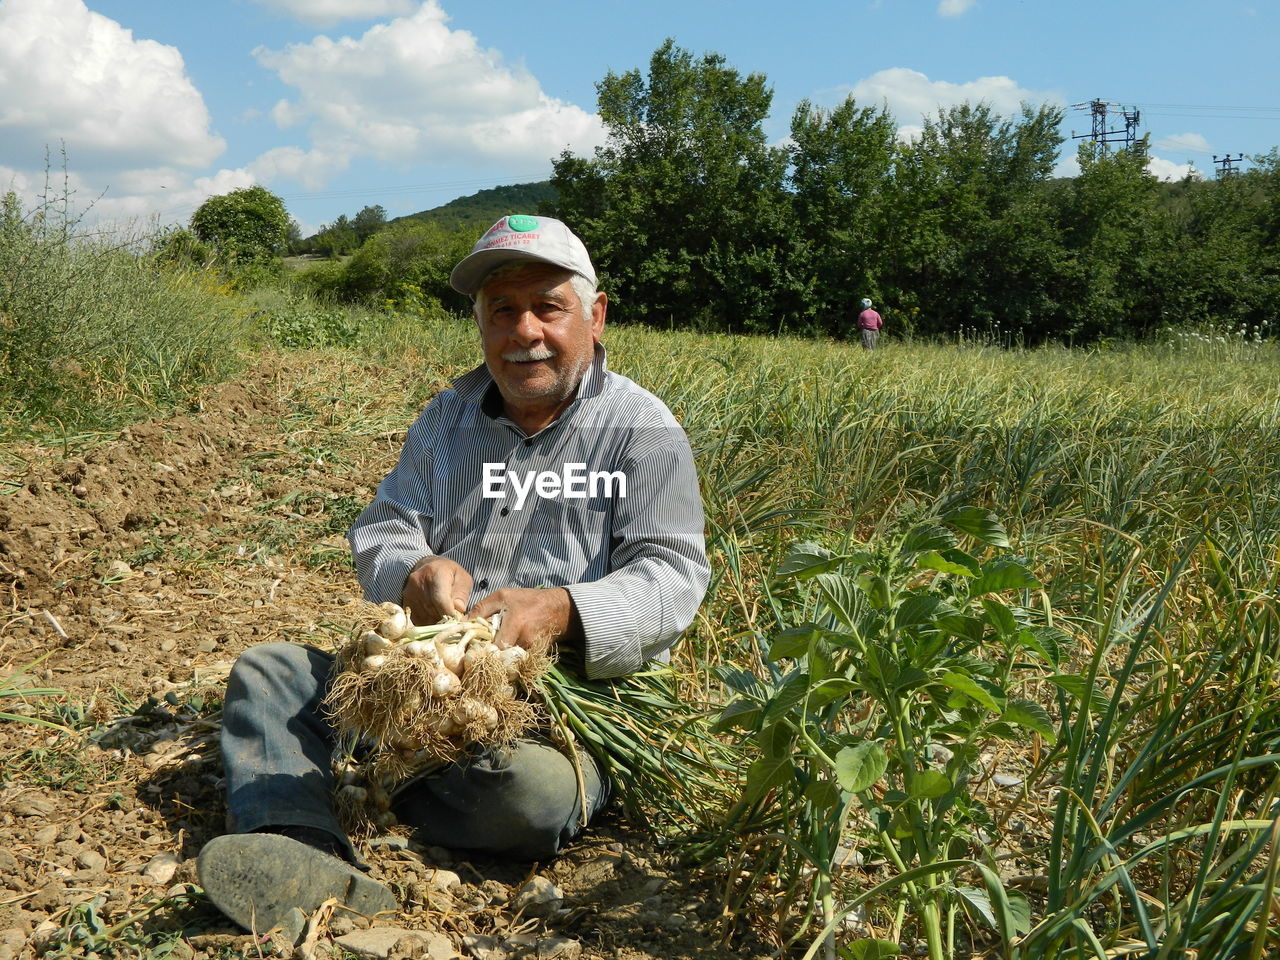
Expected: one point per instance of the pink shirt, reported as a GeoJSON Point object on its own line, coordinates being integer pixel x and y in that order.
{"type": "Point", "coordinates": [869, 320]}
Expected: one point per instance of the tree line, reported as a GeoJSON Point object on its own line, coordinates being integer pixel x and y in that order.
{"type": "Point", "coordinates": [697, 220]}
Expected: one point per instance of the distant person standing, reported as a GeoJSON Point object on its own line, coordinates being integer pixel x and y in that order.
{"type": "Point", "coordinates": [869, 324]}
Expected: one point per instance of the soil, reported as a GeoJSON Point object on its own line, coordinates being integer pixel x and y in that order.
{"type": "Point", "coordinates": [134, 568]}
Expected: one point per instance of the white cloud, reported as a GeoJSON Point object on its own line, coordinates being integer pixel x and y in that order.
{"type": "Point", "coordinates": [327, 12]}
{"type": "Point", "coordinates": [314, 169]}
{"type": "Point", "coordinates": [414, 91]}
{"type": "Point", "coordinates": [1168, 170]}
{"type": "Point", "coordinates": [134, 128]}
{"type": "Point", "coordinates": [910, 132]}
{"type": "Point", "coordinates": [911, 96]}
{"type": "Point", "coordinates": [954, 8]}
{"type": "Point", "coordinates": [74, 77]}
{"type": "Point", "coordinates": [20, 182]}
{"type": "Point", "coordinates": [1068, 166]}
{"type": "Point", "coordinates": [1184, 143]}
{"type": "Point", "coordinates": [171, 197]}
{"type": "Point", "coordinates": [1161, 169]}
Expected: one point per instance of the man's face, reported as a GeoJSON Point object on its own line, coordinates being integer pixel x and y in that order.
{"type": "Point", "coordinates": [537, 344]}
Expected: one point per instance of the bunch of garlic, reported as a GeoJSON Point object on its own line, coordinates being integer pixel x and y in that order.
{"type": "Point", "coordinates": [426, 694]}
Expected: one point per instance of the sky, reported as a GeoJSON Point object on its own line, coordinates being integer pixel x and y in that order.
{"type": "Point", "coordinates": [144, 108]}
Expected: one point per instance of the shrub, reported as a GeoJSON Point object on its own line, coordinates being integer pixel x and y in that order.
{"type": "Point", "coordinates": [405, 266]}
{"type": "Point", "coordinates": [299, 322]}
{"type": "Point", "coordinates": [93, 325]}
{"type": "Point", "coordinates": [246, 225]}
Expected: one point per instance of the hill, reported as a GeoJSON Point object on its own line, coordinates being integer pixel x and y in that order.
{"type": "Point", "coordinates": [481, 209]}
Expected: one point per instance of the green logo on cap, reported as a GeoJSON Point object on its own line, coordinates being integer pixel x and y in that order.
{"type": "Point", "coordinates": [522, 224]}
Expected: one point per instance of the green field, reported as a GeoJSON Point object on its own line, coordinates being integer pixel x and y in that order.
{"type": "Point", "coordinates": [1000, 623]}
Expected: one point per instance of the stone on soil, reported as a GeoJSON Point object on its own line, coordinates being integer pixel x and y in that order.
{"type": "Point", "coordinates": [161, 868]}
{"type": "Point", "coordinates": [538, 898]}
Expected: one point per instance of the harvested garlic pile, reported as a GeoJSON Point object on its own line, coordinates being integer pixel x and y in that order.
{"type": "Point", "coordinates": [428, 694]}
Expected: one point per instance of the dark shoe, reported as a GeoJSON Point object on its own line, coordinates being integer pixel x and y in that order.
{"type": "Point", "coordinates": [257, 879]}
{"type": "Point", "coordinates": [322, 840]}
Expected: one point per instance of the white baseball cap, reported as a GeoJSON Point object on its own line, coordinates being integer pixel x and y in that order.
{"type": "Point", "coordinates": [521, 237]}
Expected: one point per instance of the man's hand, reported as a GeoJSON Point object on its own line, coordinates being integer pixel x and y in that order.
{"type": "Point", "coordinates": [532, 619]}
{"type": "Point", "coordinates": [436, 588]}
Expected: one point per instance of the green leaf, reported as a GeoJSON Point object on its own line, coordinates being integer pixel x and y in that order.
{"type": "Point", "coordinates": [739, 712]}
{"type": "Point", "coordinates": [900, 825]}
{"type": "Point", "coordinates": [807, 560]}
{"type": "Point", "coordinates": [983, 691]}
{"type": "Point", "coordinates": [843, 641]}
{"type": "Point", "coordinates": [1000, 617]}
{"type": "Point", "coordinates": [1020, 909]}
{"type": "Point", "coordinates": [1002, 575]}
{"type": "Point", "coordinates": [870, 949]}
{"type": "Point", "coordinates": [1029, 714]}
{"type": "Point", "coordinates": [970, 628]}
{"type": "Point", "coordinates": [765, 774]}
{"type": "Point", "coordinates": [979, 901]}
{"type": "Point", "coordinates": [787, 697]}
{"type": "Point", "coordinates": [927, 538]}
{"type": "Point", "coordinates": [1078, 687]}
{"type": "Point", "coordinates": [1007, 909]}
{"type": "Point", "coordinates": [829, 691]}
{"type": "Point", "coordinates": [740, 680]}
{"type": "Point", "coordinates": [929, 785]}
{"type": "Point", "coordinates": [955, 562]}
{"type": "Point", "coordinates": [777, 741]}
{"type": "Point", "coordinates": [922, 608]}
{"type": "Point", "coordinates": [876, 589]}
{"type": "Point", "coordinates": [841, 597]}
{"type": "Point", "coordinates": [908, 678]}
{"type": "Point", "coordinates": [822, 794]}
{"type": "Point", "coordinates": [793, 642]}
{"type": "Point", "coordinates": [982, 525]}
{"type": "Point", "coordinates": [859, 767]}
{"type": "Point", "coordinates": [1039, 640]}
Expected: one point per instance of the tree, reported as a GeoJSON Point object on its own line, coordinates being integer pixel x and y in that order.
{"type": "Point", "coordinates": [247, 225]}
{"type": "Point", "coordinates": [1216, 262]}
{"type": "Point", "coordinates": [408, 262]}
{"type": "Point", "coordinates": [1112, 229]}
{"type": "Point", "coordinates": [369, 221]}
{"type": "Point", "coordinates": [294, 242]}
{"type": "Point", "coordinates": [842, 188]}
{"type": "Point", "coordinates": [338, 238]}
{"type": "Point", "coordinates": [972, 242]}
{"type": "Point", "coordinates": [683, 206]}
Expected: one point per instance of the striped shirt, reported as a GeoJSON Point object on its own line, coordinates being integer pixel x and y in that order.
{"type": "Point", "coordinates": [603, 502]}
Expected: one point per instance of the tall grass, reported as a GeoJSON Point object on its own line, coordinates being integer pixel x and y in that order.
{"type": "Point", "coordinates": [1141, 484]}
{"type": "Point", "coordinates": [94, 332]}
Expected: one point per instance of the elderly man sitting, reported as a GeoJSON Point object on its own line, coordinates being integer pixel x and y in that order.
{"type": "Point", "coordinates": [611, 572]}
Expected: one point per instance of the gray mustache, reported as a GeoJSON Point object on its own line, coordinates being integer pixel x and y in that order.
{"type": "Point", "coordinates": [519, 356]}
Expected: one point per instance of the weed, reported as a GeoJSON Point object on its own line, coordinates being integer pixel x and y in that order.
{"type": "Point", "coordinates": [85, 931]}
{"type": "Point", "coordinates": [17, 694]}
{"type": "Point", "coordinates": [94, 330]}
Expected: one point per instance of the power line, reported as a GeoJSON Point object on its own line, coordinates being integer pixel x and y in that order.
{"type": "Point", "coordinates": [1209, 106]}
{"type": "Point", "coordinates": [1100, 134]}
{"type": "Point", "coordinates": [1202, 111]}
{"type": "Point", "coordinates": [382, 190]}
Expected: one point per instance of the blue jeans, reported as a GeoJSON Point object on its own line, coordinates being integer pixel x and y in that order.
{"type": "Point", "coordinates": [520, 802]}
